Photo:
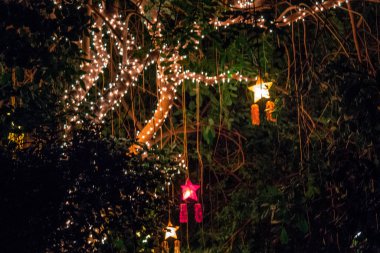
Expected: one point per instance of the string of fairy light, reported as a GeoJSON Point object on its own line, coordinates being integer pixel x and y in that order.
{"type": "Point", "coordinates": [170, 73]}
{"type": "Point", "coordinates": [298, 13]}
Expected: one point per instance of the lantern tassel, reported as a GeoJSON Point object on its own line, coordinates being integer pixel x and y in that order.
{"type": "Point", "coordinates": [165, 247]}
{"type": "Point", "coordinates": [198, 213]}
{"type": "Point", "coordinates": [255, 114]}
{"type": "Point", "coordinates": [183, 215]}
{"type": "Point", "coordinates": [269, 108]}
{"type": "Point", "coordinates": [177, 246]}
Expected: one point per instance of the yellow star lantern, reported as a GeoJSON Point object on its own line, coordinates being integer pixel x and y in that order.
{"type": "Point", "coordinates": [170, 231]}
{"type": "Point", "coordinates": [261, 89]}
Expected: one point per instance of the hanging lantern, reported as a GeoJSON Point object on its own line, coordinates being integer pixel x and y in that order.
{"type": "Point", "coordinates": [170, 231]}
{"type": "Point", "coordinates": [255, 114]}
{"type": "Point", "coordinates": [269, 108]}
{"type": "Point", "coordinates": [198, 212]}
{"type": "Point", "coordinates": [261, 89]}
{"type": "Point", "coordinates": [177, 246]}
{"type": "Point", "coordinates": [165, 247]}
{"type": "Point", "coordinates": [189, 190]}
{"type": "Point", "coordinates": [183, 215]}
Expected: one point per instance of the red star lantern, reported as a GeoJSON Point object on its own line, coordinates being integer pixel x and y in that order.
{"type": "Point", "coordinates": [189, 191]}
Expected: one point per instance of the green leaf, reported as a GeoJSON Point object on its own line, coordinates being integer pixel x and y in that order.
{"type": "Point", "coordinates": [208, 134]}
{"type": "Point", "coordinates": [284, 236]}
{"type": "Point", "coordinates": [302, 225]}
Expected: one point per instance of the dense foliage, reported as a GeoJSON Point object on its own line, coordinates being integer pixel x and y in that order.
{"type": "Point", "coordinates": [325, 202]}
{"type": "Point", "coordinates": [90, 196]}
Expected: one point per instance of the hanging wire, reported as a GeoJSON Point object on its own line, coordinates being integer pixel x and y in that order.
{"type": "Point", "coordinates": [185, 148]}
{"type": "Point", "coordinates": [377, 34]}
{"type": "Point", "coordinates": [257, 44]}
{"type": "Point", "coordinates": [201, 171]}
{"type": "Point", "coordinates": [197, 91]}
{"type": "Point", "coordinates": [184, 128]}
{"type": "Point", "coordinates": [265, 58]}
{"type": "Point", "coordinates": [199, 152]}
{"type": "Point", "coordinates": [111, 77]}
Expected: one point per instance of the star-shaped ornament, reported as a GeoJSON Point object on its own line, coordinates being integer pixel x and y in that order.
{"type": "Point", "coordinates": [189, 190]}
{"type": "Point", "coordinates": [170, 231]}
{"type": "Point", "coordinates": [261, 89]}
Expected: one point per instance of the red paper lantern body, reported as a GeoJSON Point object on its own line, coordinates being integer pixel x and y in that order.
{"type": "Point", "coordinates": [198, 212]}
{"type": "Point", "coordinates": [183, 215]}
